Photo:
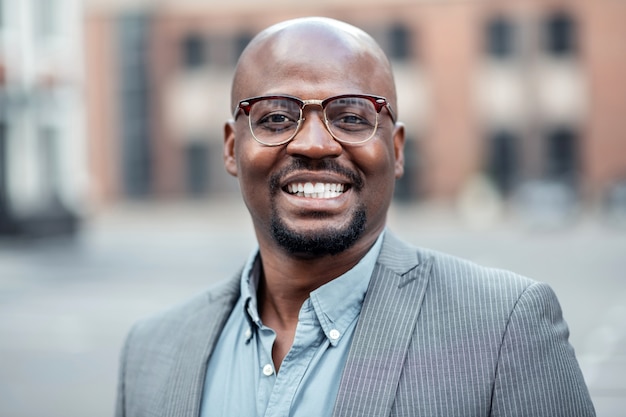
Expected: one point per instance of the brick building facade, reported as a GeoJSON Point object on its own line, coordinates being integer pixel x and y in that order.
{"type": "Point", "coordinates": [515, 92]}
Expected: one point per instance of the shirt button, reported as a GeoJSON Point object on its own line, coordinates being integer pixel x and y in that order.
{"type": "Point", "coordinates": [268, 370]}
{"type": "Point", "coordinates": [248, 333]}
{"type": "Point", "coordinates": [334, 334]}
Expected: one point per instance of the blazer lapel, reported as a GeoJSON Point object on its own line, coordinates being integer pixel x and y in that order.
{"type": "Point", "coordinates": [183, 395]}
{"type": "Point", "coordinates": [384, 331]}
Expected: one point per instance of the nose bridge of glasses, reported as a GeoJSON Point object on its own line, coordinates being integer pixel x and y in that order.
{"type": "Point", "coordinates": [321, 111]}
{"type": "Point", "coordinates": [312, 102]}
{"type": "Point", "coordinates": [311, 132]}
{"type": "Point", "coordinates": [319, 115]}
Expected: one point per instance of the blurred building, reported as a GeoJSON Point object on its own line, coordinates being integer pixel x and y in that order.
{"type": "Point", "coordinates": [517, 93]}
{"type": "Point", "coordinates": [43, 163]}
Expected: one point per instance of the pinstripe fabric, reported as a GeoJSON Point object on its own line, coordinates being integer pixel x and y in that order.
{"type": "Point", "coordinates": [485, 343]}
{"type": "Point", "coordinates": [164, 360]}
{"type": "Point", "coordinates": [382, 336]}
{"type": "Point", "coordinates": [437, 336]}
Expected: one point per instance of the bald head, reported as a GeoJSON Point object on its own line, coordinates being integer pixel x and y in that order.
{"type": "Point", "coordinates": [314, 51]}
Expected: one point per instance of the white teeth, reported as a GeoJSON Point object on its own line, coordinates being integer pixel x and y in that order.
{"type": "Point", "coordinates": [317, 190]}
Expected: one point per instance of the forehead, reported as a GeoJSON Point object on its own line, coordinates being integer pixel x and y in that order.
{"type": "Point", "coordinates": [313, 61]}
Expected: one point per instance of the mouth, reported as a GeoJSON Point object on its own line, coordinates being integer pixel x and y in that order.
{"type": "Point", "coordinates": [319, 190]}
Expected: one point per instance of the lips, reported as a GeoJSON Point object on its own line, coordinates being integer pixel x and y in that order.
{"type": "Point", "coordinates": [316, 190]}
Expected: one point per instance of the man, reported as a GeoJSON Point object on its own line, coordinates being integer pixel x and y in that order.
{"type": "Point", "coordinates": [333, 315]}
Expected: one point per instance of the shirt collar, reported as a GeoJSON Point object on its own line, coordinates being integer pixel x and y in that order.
{"type": "Point", "coordinates": [249, 284]}
{"type": "Point", "coordinates": [337, 303]}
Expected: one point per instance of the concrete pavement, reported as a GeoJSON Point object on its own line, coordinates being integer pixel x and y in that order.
{"type": "Point", "coordinates": [65, 306]}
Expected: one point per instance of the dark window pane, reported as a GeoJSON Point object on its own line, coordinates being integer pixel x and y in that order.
{"type": "Point", "coordinates": [500, 38]}
{"type": "Point", "coordinates": [502, 162]}
{"type": "Point", "coordinates": [3, 169]}
{"type": "Point", "coordinates": [562, 154]}
{"type": "Point", "coordinates": [399, 42]}
{"type": "Point", "coordinates": [560, 34]}
{"type": "Point", "coordinates": [241, 42]}
{"type": "Point", "coordinates": [407, 187]}
{"type": "Point", "coordinates": [193, 51]}
{"type": "Point", "coordinates": [48, 162]}
{"type": "Point", "coordinates": [134, 105]}
{"type": "Point", "coordinates": [197, 168]}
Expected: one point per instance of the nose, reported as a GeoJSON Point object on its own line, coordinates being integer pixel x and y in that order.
{"type": "Point", "coordinates": [313, 140]}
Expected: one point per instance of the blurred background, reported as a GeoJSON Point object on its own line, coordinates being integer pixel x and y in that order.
{"type": "Point", "coordinates": [114, 202]}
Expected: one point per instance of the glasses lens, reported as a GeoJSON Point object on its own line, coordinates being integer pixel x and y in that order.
{"type": "Point", "coordinates": [274, 120]}
{"type": "Point", "coordinates": [351, 119]}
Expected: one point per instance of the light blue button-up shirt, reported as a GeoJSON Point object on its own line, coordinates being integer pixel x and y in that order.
{"type": "Point", "coordinates": [241, 378]}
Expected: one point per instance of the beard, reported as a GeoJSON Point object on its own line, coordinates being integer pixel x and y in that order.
{"type": "Point", "coordinates": [327, 241]}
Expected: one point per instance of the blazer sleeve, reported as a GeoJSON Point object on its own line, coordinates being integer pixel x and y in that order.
{"type": "Point", "coordinates": [120, 406]}
{"type": "Point", "coordinates": [537, 373]}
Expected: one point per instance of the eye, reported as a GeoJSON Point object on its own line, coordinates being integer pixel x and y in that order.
{"type": "Point", "coordinates": [351, 115]}
{"type": "Point", "coordinates": [350, 119]}
{"type": "Point", "coordinates": [276, 122]}
{"type": "Point", "coordinates": [274, 118]}
{"type": "Point", "coordinates": [350, 122]}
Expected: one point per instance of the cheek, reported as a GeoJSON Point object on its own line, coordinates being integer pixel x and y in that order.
{"type": "Point", "coordinates": [378, 166]}
{"type": "Point", "coordinates": [254, 164]}
{"type": "Point", "coordinates": [378, 163]}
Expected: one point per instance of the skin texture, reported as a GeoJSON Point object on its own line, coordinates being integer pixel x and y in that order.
{"type": "Point", "coordinates": [311, 58]}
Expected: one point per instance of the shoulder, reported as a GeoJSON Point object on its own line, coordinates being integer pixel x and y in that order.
{"type": "Point", "coordinates": [452, 276]}
{"type": "Point", "coordinates": [458, 271]}
{"type": "Point", "coordinates": [157, 346]}
{"type": "Point", "coordinates": [165, 325]}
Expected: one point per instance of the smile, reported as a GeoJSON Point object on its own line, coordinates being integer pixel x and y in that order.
{"type": "Point", "coordinates": [317, 190]}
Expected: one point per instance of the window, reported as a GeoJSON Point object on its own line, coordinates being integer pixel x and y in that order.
{"type": "Point", "coordinates": [3, 169]}
{"type": "Point", "coordinates": [6, 224]}
{"type": "Point", "coordinates": [559, 34]}
{"type": "Point", "coordinates": [241, 41]}
{"type": "Point", "coordinates": [49, 163]}
{"type": "Point", "coordinates": [399, 42]}
{"type": "Point", "coordinates": [134, 105]}
{"type": "Point", "coordinates": [502, 162]}
{"type": "Point", "coordinates": [47, 15]}
{"type": "Point", "coordinates": [562, 154]}
{"type": "Point", "coordinates": [500, 38]}
{"type": "Point", "coordinates": [197, 168]}
{"type": "Point", "coordinates": [407, 188]}
{"type": "Point", "coordinates": [193, 51]}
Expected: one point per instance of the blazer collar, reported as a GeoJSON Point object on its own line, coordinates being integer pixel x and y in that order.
{"type": "Point", "coordinates": [182, 396]}
{"type": "Point", "coordinates": [384, 331]}
{"type": "Point", "coordinates": [397, 256]}
{"type": "Point", "coordinates": [389, 311]}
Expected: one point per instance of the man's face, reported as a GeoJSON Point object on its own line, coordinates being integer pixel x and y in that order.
{"type": "Point", "coordinates": [360, 178]}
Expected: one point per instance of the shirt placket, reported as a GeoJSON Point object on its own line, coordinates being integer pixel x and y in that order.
{"type": "Point", "coordinates": [280, 389]}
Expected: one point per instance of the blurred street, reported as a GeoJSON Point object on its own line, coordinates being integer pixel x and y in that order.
{"type": "Point", "coordinates": [66, 304]}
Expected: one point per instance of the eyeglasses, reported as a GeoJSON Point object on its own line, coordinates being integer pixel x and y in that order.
{"type": "Point", "coordinates": [351, 118]}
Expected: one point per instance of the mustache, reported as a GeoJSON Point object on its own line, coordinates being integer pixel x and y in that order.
{"type": "Point", "coordinates": [329, 165]}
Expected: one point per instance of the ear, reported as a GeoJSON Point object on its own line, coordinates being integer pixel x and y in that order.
{"type": "Point", "coordinates": [230, 161]}
{"type": "Point", "coordinates": [398, 147]}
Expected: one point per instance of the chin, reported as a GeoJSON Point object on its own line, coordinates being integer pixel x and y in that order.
{"type": "Point", "coordinates": [320, 242]}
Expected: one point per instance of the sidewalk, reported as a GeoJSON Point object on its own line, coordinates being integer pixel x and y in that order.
{"type": "Point", "coordinates": [65, 307]}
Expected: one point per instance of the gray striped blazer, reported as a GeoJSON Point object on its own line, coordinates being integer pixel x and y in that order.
{"type": "Point", "coordinates": [437, 336]}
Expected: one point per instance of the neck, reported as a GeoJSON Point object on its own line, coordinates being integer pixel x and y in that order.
{"type": "Point", "coordinates": [289, 279]}
{"type": "Point", "coordinates": [287, 282]}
